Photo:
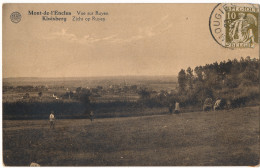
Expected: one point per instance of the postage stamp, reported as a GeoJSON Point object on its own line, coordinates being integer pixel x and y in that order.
{"type": "Point", "coordinates": [235, 25]}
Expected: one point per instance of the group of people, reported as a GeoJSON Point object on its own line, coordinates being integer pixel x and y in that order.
{"type": "Point", "coordinates": [176, 108]}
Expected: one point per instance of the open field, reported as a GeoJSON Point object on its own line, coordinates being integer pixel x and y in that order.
{"type": "Point", "coordinates": [228, 137]}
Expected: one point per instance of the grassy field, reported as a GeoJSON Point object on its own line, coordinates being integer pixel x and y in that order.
{"type": "Point", "coordinates": [229, 137]}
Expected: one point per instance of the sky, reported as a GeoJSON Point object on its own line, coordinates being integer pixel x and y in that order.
{"type": "Point", "coordinates": [134, 39]}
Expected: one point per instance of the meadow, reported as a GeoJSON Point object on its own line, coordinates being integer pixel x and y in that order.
{"type": "Point", "coordinates": [226, 137]}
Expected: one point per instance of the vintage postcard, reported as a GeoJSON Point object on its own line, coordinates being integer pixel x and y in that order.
{"type": "Point", "coordinates": [130, 84]}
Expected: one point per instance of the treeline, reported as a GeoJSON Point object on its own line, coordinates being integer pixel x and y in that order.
{"type": "Point", "coordinates": [71, 110]}
{"type": "Point", "coordinates": [232, 80]}
{"type": "Point", "coordinates": [41, 110]}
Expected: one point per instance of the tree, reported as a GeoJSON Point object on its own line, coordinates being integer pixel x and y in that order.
{"type": "Point", "coordinates": [189, 75]}
{"type": "Point", "coordinates": [199, 73]}
{"type": "Point", "coordinates": [85, 101]}
{"type": "Point", "coordinates": [40, 94]}
{"type": "Point", "coordinates": [78, 90]}
{"type": "Point", "coordinates": [182, 80]}
{"type": "Point", "coordinates": [144, 93]}
{"type": "Point", "coordinates": [250, 74]}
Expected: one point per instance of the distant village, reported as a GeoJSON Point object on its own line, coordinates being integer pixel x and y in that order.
{"type": "Point", "coordinates": [113, 92]}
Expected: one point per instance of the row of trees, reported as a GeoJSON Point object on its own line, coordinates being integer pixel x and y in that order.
{"type": "Point", "coordinates": [234, 80]}
{"type": "Point", "coordinates": [230, 79]}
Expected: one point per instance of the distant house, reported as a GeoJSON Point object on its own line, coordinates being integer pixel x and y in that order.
{"type": "Point", "coordinates": [26, 96]}
{"type": "Point", "coordinates": [56, 97]}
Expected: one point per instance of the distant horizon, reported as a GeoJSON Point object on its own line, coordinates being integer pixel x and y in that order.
{"type": "Point", "coordinates": [98, 76]}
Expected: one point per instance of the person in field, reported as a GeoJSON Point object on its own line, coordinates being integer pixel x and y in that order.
{"type": "Point", "coordinates": [177, 108]}
{"type": "Point", "coordinates": [207, 104]}
{"type": "Point", "coordinates": [170, 108]}
{"type": "Point", "coordinates": [217, 104]}
{"type": "Point", "coordinates": [91, 116]}
{"type": "Point", "coordinates": [52, 120]}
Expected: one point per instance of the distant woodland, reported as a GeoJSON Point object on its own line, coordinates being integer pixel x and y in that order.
{"type": "Point", "coordinates": [232, 79]}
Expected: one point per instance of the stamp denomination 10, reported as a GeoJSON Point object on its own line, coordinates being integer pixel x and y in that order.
{"type": "Point", "coordinates": [235, 25]}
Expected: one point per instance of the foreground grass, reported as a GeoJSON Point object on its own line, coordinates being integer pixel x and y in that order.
{"type": "Point", "coordinates": [198, 138]}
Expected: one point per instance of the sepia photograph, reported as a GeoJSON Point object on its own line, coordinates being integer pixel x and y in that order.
{"type": "Point", "coordinates": [138, 84]}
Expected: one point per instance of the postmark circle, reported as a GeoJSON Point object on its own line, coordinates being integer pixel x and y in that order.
{"type": "Point", "coordinates": [15, 17]}
{"type": "Point", "coordinates": [234, 25]}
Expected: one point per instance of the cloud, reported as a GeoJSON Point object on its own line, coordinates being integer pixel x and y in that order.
{"type": "Point", "coordinates": [70, 37]}
{"type": "Point", "coordinates": [63, 34]}
{"type": "Point", "coordinates": [148, 31]}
